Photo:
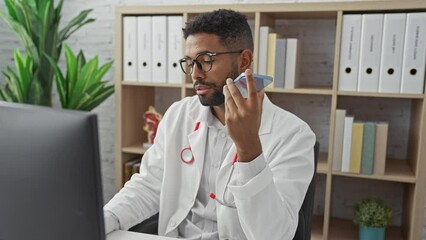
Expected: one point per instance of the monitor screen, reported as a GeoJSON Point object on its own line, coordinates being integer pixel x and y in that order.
{"type": "Point", "coordinates": [50, 182]}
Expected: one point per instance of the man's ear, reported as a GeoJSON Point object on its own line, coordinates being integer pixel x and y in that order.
{"type": "Point", "coordinates": [246, 60]}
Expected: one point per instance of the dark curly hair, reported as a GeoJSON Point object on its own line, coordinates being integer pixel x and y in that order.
{"type": "Point", "coordinates": [231, 27]}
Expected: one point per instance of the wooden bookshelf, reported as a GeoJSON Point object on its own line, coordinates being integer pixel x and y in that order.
{"type": "Point", "coordinates": [134, 98]}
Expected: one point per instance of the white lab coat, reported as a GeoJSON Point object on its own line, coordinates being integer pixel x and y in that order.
{"type": "Point", "coordinates": [267, 205]}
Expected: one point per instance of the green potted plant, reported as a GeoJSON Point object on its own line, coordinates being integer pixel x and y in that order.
{"type": "Point", "coordinates": [372, 215]}
{"type": "Point", "coordinates": [37, 24]}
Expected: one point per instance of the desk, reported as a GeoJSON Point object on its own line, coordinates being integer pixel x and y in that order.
{"type": "Point", "coordinates": [125, 235]}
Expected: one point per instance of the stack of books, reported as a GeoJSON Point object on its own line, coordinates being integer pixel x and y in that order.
{"type": "Point", "coordinates": [359, 147]}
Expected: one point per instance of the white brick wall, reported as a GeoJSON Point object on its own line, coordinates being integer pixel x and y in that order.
{"type": "Point", "coordinates": [98, 39]}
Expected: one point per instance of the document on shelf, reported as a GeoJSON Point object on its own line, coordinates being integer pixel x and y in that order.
{"type": "Point", "coordinates": [349, 52]}
{"type": "Point", "coordinates": [369, 58]}
{"type": "Point", "coordinates": [413, 63]}
{"type": "Point", "coordinates": [130, 49]}
{"type": "Point", "coordinates": [159, 51]}
{"type": "Point", "coordinates": [392, 51]}
{"type": "Point", "coordinates": [144, 49]}
{"type": "Point", "coordinates": [174, 48]}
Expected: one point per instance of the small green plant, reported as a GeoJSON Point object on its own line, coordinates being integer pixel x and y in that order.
{"type": "Point", "coordinates": [373, 212]}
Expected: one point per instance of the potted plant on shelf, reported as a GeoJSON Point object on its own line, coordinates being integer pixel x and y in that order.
{"type": "Point", "coordinates": [372, 215]}
{"type": "Point", "coordinates": [37, 24]}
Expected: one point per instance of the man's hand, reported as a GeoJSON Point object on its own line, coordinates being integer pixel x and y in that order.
{"type": "Point", "coordinates": [242, 118]}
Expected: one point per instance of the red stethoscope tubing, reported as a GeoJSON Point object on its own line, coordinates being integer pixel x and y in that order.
{"type": "Point", "coordinates": [186, 155]}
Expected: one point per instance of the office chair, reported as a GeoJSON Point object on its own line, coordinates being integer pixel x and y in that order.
{"type": "Point", "coordinates": [303, 231]}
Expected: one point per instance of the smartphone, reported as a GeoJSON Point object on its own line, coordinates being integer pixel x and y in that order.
{"type": "Point", "coordinates": [261, 82]}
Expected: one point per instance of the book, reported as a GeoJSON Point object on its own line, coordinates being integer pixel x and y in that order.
{"type": "Point", "coordinates": [339, 128]}
{"type": "Point", "coordinates": [128, 169]}
{"type": "Point", "coordinates": [380, 148]}
{"type": "Point", "coordinates": [347, 141]}
{"type": "Point", "coordinates": [356, 147]}
{"type": "Point", "coordinates": [368, 142]}
{"type": "Point", "coordinates": [272, 51]}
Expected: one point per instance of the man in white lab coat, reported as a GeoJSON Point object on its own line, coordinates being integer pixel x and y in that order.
{"type": "Point", "coordinates": [221, 167]}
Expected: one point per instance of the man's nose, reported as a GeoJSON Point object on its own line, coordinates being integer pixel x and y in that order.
{"type": "Point", "coordinates": [197, 72]}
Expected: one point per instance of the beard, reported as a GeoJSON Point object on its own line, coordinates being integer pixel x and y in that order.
{"type": "Point", "coordinates": [216, 98]}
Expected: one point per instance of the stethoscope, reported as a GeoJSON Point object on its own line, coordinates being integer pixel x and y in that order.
{"type": "Point", "coordinates": [187, 157]}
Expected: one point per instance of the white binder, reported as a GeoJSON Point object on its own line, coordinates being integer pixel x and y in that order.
{"type": "Point", "coordinates": [159, 50]}
{"type": "Point", "coordinates": [130, 62]}
{"type": "Point", "coordinates": [369, 58]}
{"type": "Point", "coordinates": [349, 52]}
{"type": "Point", "coordinates": [413, 63]}
{"type": "Point", "coordinates": [263, 49]}
{"type": "Point", "coordinates": [144, 49]}
{"type": "Point", "coordinates": [392, 51]}
{"type": "Point", "coordinates": [174, 48]}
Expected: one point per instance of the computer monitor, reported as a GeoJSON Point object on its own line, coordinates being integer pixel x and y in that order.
{"type": "Point", "coordinates": [50, 181]}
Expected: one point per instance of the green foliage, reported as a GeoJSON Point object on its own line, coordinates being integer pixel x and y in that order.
{"type": "Point", "coordinates": [36, 24]}
{"type": "Point", "coordinates": [82, 87]}
{"type": "Point", "coordinates": [373, 212]}
{"type": "Point", "coordinates": [23, 86]}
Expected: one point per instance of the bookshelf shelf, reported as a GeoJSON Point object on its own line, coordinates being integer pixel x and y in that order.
{"type": "Point", "coordinates": [346, 229]}
{"type": "Point", "coordinates": [136, 148]}
{"type": "Point", "coordinates": [381, 95]}
{"type": "Point", "coordinates": [319, 28]}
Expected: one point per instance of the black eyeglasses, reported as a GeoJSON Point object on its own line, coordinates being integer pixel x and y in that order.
{"type": "Point", "coordinates": [203, 60]}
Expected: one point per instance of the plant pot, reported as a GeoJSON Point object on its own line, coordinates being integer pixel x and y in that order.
{"type": "Point", "coordinates": [371, 233]}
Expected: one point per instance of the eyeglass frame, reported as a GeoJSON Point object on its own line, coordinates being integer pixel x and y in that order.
{"type": "Point", "coordinates": [199, 65]}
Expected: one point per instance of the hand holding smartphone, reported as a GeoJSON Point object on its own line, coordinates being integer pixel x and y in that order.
{"type": "Point", "coordinates": [261, 81]}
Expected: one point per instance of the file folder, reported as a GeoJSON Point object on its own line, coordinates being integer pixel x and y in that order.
{"type": "Point", "coordinates": [369, 58]}
{"type": "Point", "coordinates": [175, 49]}
{"type": "Point", "coordinates": [413, 63]}
{"type": "Point", "coordinates": [129, 49]}
{"type": "Point", "coordinates": [349, 52]}
{"type": "Point", "coordinates": [144, 49]}
{"type": "Point", "coordinates": [159, 51]}
{"type": "Point", "coordinates": [392, 51]}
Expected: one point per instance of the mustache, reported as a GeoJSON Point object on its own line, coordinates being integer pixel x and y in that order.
{"type": "Point", "coordinates": [202, 82]}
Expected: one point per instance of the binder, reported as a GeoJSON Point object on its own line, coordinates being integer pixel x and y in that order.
{"type": "Point", "coordinates": [413, 63]}
{"type": "Point", "coordinates": [349, 52]}
{"type": "Point", "coordinates": [392, 51]}
{"type": "Point", "coordinates": [263, 49]}
{"type": "Point", "coordinates": [130, 62]}
{"type": "Point", "coordinates": [159, 51]}
{"type": "Point", "coordinates": [292, 63]}
{"type": "Point", "coordinates": [347, 142]}
{"type": "Point", "coordinates": [370, 48]}
{"type": "Point", "coordinates": [174, 48]}
{"type": "Point", "coordinates": [144, 41]}
{"type": "Point", "coordinates": [339, 127]}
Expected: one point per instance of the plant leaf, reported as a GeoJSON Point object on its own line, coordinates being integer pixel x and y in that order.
{"type": "Point", "coordinates": [77, 22]}
{"type": "Point", "coordinates": [23, 36]}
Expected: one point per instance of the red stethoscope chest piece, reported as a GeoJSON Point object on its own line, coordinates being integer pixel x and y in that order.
{"type": "Point", "coordinates": [186, 155]}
